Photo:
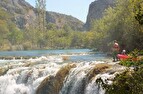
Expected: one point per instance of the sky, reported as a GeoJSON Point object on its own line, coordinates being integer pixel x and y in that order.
{"type": "Point", "coordinates": [75, 8]}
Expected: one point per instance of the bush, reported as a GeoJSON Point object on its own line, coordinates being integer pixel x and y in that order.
{"type": "Point", "coordinates": [127, 63]}
{"type": "Point", "coordinates": [127, 83]}
{"type": "Point", "coordinates": [134, 60]}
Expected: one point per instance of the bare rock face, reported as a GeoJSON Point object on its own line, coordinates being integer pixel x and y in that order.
{"type": "Point", "coordinates": [21, 12]}
{"type": "Point", "coordinates": [24, 15]}
{"type": "Point", "coordinates": [61, 20]}
{"type": "Point", "coordinates": [15, 6]}
{"type": "Point", "coordinates": [96, 10]}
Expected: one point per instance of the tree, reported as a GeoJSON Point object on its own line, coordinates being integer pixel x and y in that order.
{"type": "Point", "coordinates": [15, 36]}
{"type": "Point", "coordinates": [119, 23]}
{"type": "Point", "coordinates": [138, 10]}
{"type": "Point", "coordinates": [41, 14]}
{"type": "Point", "coordinates": [41, 20]}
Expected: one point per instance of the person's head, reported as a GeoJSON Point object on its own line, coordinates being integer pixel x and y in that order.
{"type": "Point", "coordinates": [124, 51]}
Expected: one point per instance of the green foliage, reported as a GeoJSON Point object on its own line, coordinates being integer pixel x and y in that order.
{"type": "Point", "coordinates": [53, 38]}
{"type": "Point", "coordinates": [41, 16]}
{"type": "Point", "coordinates": [119, 23]}
{"type": "Point", "coordinates": [127, 63]}
{"type": "Point", "coordinates": [51, 26]}
{"type": "Point", "coordinates": [138, 11]}
{"type": "Point", "coordinates": [4, 15]}
{"type": "Point", "coordinates": [134, 60]}
{"type": "Point", "coordinates": [134, 53]}
{"type": "Point", "coordinates": [4, 29]}
{"type": "Point", "coordinates": [15, 36]}
{"type": "Point", "coordinates": [128, 82]}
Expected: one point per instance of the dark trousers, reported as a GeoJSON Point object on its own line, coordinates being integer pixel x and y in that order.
{"type": "Point", "coordinates": [115, 58]}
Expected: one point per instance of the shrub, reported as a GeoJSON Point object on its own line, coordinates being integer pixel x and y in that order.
{"type": "Point", "coordinates": [127, 83]}
{"type": "Point", "coordinates": [134, 60]}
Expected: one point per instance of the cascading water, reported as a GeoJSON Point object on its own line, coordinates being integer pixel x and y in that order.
{"type": "Point", "coordinates": [27, 76]}
{"type": "Point", "coordinates": [79, 82]}
{"type": "Point", "coordinates": [23, 79]}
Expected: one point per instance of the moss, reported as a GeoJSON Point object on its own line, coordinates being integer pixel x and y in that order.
{"type": "Point", "coordinates": [99, 68]}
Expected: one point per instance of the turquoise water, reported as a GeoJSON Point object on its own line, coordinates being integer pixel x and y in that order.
{"type": "Point", "coordinates": [74, 54]}
{"type": "Point", "coordinates": [43, 52]}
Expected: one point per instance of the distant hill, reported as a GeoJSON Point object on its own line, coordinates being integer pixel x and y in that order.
{"type": "Point", "coordinates": [23, 15]}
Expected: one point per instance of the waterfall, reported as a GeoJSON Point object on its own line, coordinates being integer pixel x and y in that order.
{"type": "Point", "coordinates": [50, 75]}
{"type": "Point", "coordinates": [78, 81]}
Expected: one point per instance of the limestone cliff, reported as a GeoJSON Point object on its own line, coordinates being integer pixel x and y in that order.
{"type": "Point", "coordinates": [96, 10]}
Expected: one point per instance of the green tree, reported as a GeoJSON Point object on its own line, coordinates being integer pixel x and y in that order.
{"type": "Point", "coordinates": [118, 23]}
{"type": "Point", "coordinates": [41, 21]}
{"type": "Point", "coordinates": [15, 36]}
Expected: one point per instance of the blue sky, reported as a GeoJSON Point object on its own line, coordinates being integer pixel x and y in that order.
{"type": "Point", "coordinates": [75, 8]}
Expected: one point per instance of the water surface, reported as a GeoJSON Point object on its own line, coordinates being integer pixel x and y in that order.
{"type": "Point", "coordinates": [73, 54]}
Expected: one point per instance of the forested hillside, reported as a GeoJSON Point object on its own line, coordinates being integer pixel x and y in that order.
{"type": "Point", "coordinates": [9, 33]}
{"type": "Point", "coordinates": [13, 38]}
{"type": "Point", "coordinates": [18, 28]}
{"type": "Point", "coordinates": [123, 22]}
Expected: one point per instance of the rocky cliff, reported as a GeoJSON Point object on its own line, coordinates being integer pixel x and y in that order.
{"type": "Point", "coordinates": [96, 10]}
{"type": "Point", "coordinates": [23, 15]}
{"type": "Point", "coordinates": [61, 20]}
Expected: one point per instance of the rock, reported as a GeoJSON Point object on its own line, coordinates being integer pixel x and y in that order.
{"type": "Point", "coordinates": [53, 84]}
{"type": "Point", "coordinates": [96, 10]}
{"type": "Point", "coordinates": [24, 15]}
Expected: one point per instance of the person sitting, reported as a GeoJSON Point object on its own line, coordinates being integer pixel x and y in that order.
{"type": "Point", "coordinates": [123, 52]}
{"type": "Point", "coordinates": [123, 55]}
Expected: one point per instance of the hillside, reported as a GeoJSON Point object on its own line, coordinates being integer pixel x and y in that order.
{"type": "Point", "coordinates": [23, 14]}
{"type": "Point", "coordinates": [18, 28]}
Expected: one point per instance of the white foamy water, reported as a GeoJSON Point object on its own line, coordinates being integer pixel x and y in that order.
{"type": "Point", "coordinates": [24, 76]}
{"type": "Point", "coordinates": [23, 79]}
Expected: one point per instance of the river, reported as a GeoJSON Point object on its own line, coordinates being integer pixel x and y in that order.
{"type": "Point", "coordinates": [49, 73]}
{"type": "Point", "coordinates": [73, 54]}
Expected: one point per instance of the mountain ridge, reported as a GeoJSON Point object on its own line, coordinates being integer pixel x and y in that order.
{"type": "Point", "coordinates": [24, 15]}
